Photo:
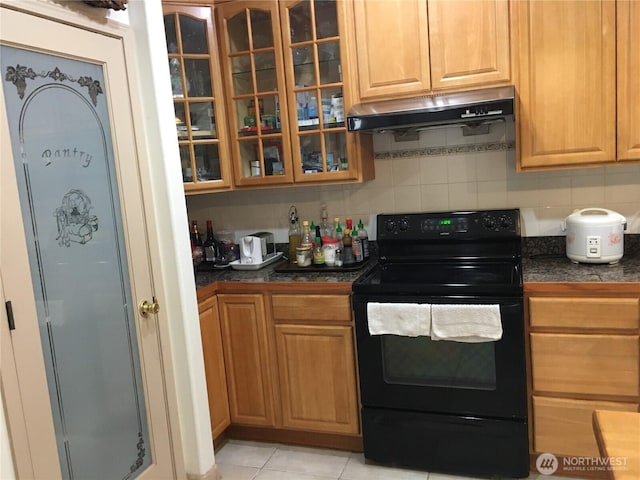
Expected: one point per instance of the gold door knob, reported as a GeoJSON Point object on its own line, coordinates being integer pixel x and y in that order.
{"type": "Point", "coordinates": [146, 308]}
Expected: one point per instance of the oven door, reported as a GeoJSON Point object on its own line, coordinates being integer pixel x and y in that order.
{"type": "Point", "coordinates": [418, 374]}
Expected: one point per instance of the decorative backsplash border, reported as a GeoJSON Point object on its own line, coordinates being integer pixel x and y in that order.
{"type": "Point", "coordinates": [447, 150]}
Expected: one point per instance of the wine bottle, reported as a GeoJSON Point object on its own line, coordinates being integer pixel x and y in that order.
{"type": "Point", "coordinates": [210, 245]}
{"type": "Point", "coordinates": [197, 252]}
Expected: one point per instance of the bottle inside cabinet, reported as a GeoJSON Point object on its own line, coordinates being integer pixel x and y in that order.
{"type": "Point", "coordinates": [193, 70]}
{"type": "Point", "coordinates": [253, 63]}
{"type": "Point", "coordinates": [285, 66]}
{"type": "Point", "coordinates": [317, 75]}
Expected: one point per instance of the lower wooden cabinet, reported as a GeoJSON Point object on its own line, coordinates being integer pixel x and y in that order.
{"type": "Point", "coordinates": [584, 342]}
{"type": "Point", "coordinates": [316, 362]}
{"type": "Point", "coordinates": [595, 364]}
{"type": "Point", "coordinates": [214, 365]}
{"type": "Point", "coordinates": [289, 366]}
{"type": "Point", "coordinates": [247, 360]}
{"type": "Point", "coordinates": [564, 426]}
{"type": "Point", "coordinates": [317, 378]}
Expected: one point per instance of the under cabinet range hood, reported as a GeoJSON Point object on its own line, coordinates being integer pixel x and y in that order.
{"type": "Point", "coordinates": [472, 108]}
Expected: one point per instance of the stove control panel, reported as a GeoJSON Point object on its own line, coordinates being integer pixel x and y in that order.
{"type": "Point", "coordinates": [464, 224]}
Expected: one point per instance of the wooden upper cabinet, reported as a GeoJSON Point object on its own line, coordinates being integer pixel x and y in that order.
{"type": "Point", "coordinates": [392, 47]}
{"type": "Point", "coordinates": [252, 61]}
{"type": "Point", "coordinates": [469, 43]}
{"type": "Point", "coordinates": [196, 82]}
{"type": "Point", "coordinates": [287, 71]}
{"type": "Point", "coordinates": [412, 47]}
{"type": "Point", "coordinates": [566, 82]}
{"type": "Point", "coordinates": [628, 80]}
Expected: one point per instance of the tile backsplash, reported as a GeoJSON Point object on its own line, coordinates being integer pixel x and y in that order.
{"type": "Point", "coordinates": [443, 170]}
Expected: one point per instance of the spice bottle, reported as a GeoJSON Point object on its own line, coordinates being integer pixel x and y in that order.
{"type": "Point", "coordinates": [307, 239]}
{"type": "Point", "coordinates": [337, 232]}
{"type": "Point", "coordinates": [318, 253]}
{"type": "Point", "coordinates": [364, 238]}
{"type": "Point", "coordinates": [325, 228]}
{"type": "Point", "coordinates": [356, 246]}
{"type": "Point", "coordinates": [347, 248]}
{"type": "Point", "coordinates": [295, 234]}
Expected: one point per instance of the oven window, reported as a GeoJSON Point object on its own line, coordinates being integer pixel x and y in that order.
{"type": "Point", "coordinates": [423, 362]}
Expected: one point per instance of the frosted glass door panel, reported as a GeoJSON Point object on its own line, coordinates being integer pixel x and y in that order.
{"type": "Point", "coordinates": [61, 141]}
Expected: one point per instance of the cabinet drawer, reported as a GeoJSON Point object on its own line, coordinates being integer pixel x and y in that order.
{"type": "Point", "coordinates": [330, 308]}
{"type": "Point", "coordinates": [585, 364]}
{"type": "Point", "coordinates": [585, 313]}
{"type": "Point", "coordinates": [564, 426]}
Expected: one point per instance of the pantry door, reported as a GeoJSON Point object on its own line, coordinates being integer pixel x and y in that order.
{"type": "Point", "coordinates": [84, 384]}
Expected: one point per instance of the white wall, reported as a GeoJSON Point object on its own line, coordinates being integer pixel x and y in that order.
{"type": "Point", "coordinates": [443, 170]}
{"type": "Point", "coordinates": [170, 243]}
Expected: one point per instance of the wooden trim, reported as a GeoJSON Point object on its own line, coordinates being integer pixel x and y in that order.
{"type": "Point", "coordinates": [350, 443]}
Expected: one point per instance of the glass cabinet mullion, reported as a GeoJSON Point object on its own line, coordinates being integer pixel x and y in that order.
{"type": "Point", "coordinates": [253, 63]}
{"type": "Point", "coordinates": [314, 54]}
{"type": "Point", "coordinates": [196, 85]}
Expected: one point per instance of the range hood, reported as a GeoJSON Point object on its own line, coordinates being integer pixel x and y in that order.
{"type": "Point", "coordinates": [472, 108]}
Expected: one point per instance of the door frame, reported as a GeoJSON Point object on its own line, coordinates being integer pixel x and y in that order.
{"type": "Point", "coordinates": [141, 31]}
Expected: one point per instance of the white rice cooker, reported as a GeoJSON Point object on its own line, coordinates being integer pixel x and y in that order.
{"type": "Point", "coordinates": [595, 235]}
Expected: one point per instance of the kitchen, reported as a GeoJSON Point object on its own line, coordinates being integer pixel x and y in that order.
{"type": "Point", "coordinates": [477, 178]}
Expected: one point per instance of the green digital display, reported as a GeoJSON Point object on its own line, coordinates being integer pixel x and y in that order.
{"type": "Point", "coordinates": [444, 221]}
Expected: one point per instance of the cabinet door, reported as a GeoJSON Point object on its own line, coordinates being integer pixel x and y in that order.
{"type": "Point", "coordinates": [567, 89]}
{"type": "Point", "coordinates": [585, 313]}
{"type": "Point", "coordinates": [628, 80]}
{"type": "Point", "coordinates": [316, 367]}
{"type": "Point", "coordinates": [252, 57]}
{"type": "Point", "coordinates": [214, 365]}
{"type": "Point", "coordinates": [246, 358]}
{"type": "Point", "coordinates": [200, 113]}
{"type": "Point", "coordinates": [317, 72]}
{"type": "Point", "coordinates": [469, 43]}
{"type": "Point", "coordinates": [564, 426]}
{"type": "Point", "coordinates": [585, 364]}
{"type": "Point", "coordinates": [392, 47]}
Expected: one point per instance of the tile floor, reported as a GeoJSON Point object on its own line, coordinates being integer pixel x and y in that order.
{"type": "Point", "coordinates": [242, 460]}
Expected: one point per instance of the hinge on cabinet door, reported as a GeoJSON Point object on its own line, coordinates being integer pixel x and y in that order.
{"type": "Point", "coordinates": [12, 324]}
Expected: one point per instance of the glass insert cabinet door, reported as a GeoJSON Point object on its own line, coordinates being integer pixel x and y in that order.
{"type": "Point", "coordinates": [256, 94]}
{"type": "Point", "coordinates": [314, 52]}
{"type": "Point", "coordinates": [63, 154]}
{"type": "Point", "coordinates": [197, 92]}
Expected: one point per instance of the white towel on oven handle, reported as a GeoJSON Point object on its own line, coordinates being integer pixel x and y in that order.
{"type": "Point", "coordinates": [466, 323]}
{"type": "Point", "coordinates": [405, 319]}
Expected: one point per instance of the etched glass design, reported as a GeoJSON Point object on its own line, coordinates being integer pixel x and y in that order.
{"type": "Point", "coordinates": [62, 146]}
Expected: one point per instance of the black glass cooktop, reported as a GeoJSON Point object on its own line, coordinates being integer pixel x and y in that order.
{"type": "Point", "coordinates": [435, 278]}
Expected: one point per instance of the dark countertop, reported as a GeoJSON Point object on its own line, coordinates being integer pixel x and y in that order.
{"type": "Point", "coordinates": [543, 260]}
{"type": "Point", "coordinates": [268, 274]}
